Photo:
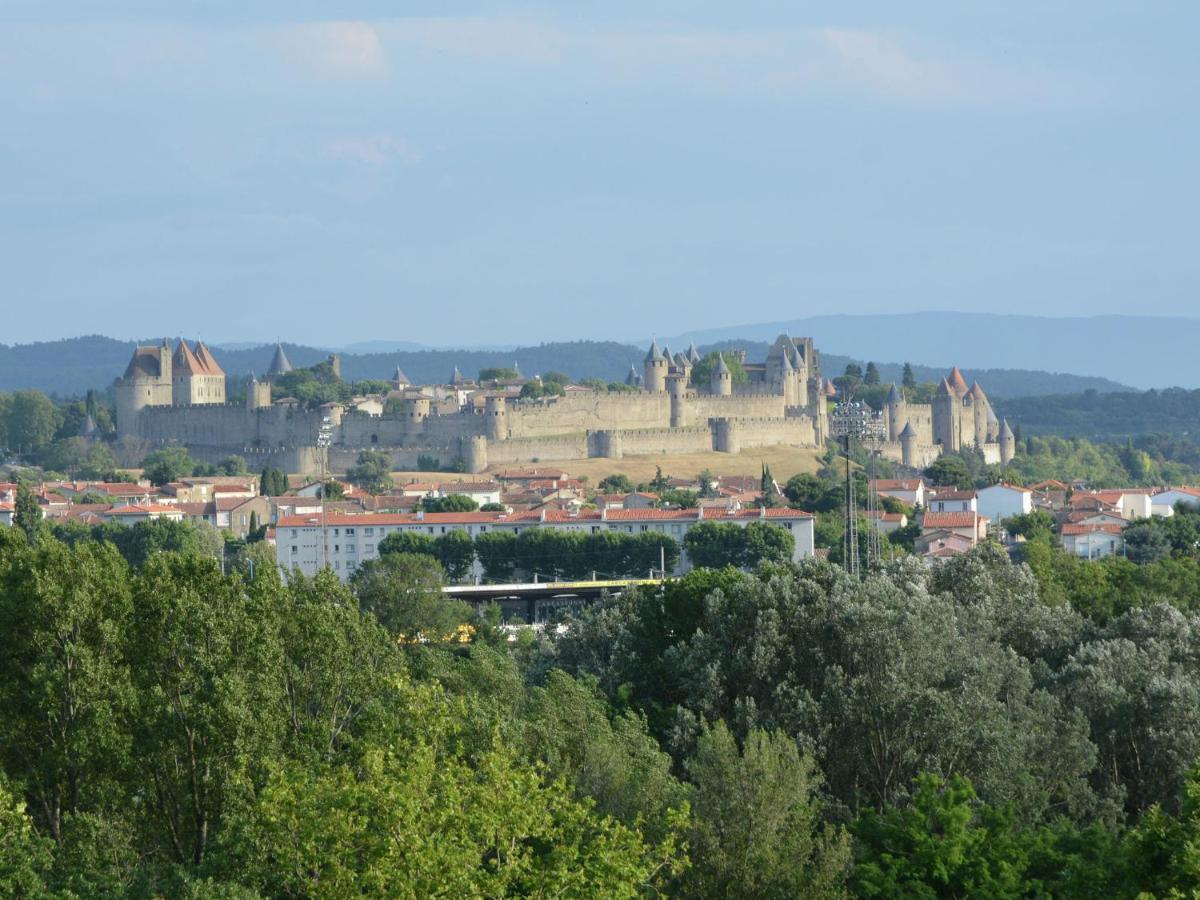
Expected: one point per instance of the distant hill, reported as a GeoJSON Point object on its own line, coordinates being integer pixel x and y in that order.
{"type": "Point", "coordinates": [74, 365]}
{"type": "Point", "coordinates": [1143, 351]}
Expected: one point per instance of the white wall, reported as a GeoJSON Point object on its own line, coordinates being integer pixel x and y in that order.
{"type": "Point", "coordinates": [998, 502]}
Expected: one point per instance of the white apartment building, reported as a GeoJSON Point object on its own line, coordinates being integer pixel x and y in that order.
{"type": "Point", "coordinates": [351, 540]}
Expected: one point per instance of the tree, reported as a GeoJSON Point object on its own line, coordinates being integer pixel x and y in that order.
{"type": "Point", "coordinates": [757, 827]}
{"type": "Point", "coordinates": [553, 377]}
{"type": "Point", "coordinates": [497, 373]}
{"type": "Point", "coordinates": [456, 552]}
{"type": "Point", "coordinates": [272, 483]}
{"type": "Point", "coordinates": [24, 854]}
{"type": "Point", "coordinates": [232, 465]}
{"type": "Point", "coordinates": [372, 472]}
{"type": "Point", "coordinates": [32, 421]}
{"type": "Point", "coordinates": [702, 371]}
{"type": "Point", "coordinates": [64, 684]}
{"type": "Point", "coordinates": [407, 542]}
{"type": "Point", "coordinates": [938, 847]}
{"type": "Point", "coordinates": [768, 488]}
{"type": "Point", "coordinates": [497, 553]}
{"type": "Point", "coordinates": [1146, 542]}
{"type": "Point", "coordinates": [209, 707]}
{"type": "Point", "coordinates": [167, 464]}
{"type": "Point", "coordinates": [908, 380]}
{"type": "Point", "coordinates": [616, 483]}
{"type": "Point", "coordinates": [853, 370]}
{"type": "Point", "coordinates": [449, 503]}
{"type": "Point", "coordinates": [714, 545]}
{"type": "Point", "coordinates": [871, 376]}
{"type": "Point", "coordinates": [27, 514]}
{"type": "Point", "coordinates": [404, 592]}
{"type": "Point", "coordinates": [949, 471]}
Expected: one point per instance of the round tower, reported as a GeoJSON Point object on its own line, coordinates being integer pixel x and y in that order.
{"type": "Point", "coordinates": [655, 379]}
{"type": "Point", "coordinates": [677, 388]}
{"type": "Point", "coordinates": [418, 411]}
{"type": "Point", "coordinates": [979, 411]}
{"type": "Point", "coordinates": [496, 412]}
{"type": "Point", "coordinates": [895, 413]}
{"type": "Point", "coordinates": [1008, 443]}
{"type": "Point", "coordinates": [727, 436]}
{"type": "Point", "coordinates": [721, 382]}
{"type": "Point", "coordinates": [908, 446]}
{"type": "Point", "coordinates": [474, 451]}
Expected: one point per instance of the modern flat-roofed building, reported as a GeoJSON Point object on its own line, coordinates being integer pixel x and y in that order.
{"type": "Point", "coordinates": [351, 540]}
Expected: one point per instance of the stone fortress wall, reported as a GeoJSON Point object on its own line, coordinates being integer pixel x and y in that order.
{"type": "Point", "coordinates": [783, 402]}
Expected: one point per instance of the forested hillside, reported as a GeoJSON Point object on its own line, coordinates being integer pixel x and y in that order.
{"type": "Point", "coordinates": [1108, 415]}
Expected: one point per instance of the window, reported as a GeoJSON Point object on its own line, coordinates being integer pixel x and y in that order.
{"type": "Point", "coordinates": [293, 532]}
{"type": "Point", "coordinates": [295, 549]}
{"type": "Point", "coordinates": [349, 531]}
{"type": "Point", "coordinates": [337, 548]}
{"type": "Point", "coordinates": [335, 532]}
{"type": "Point", "coordinates": [369, 548]}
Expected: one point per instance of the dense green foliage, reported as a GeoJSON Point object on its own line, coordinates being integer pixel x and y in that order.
{"type": "Point", "coordinates": [1108, 415]}
{"type": "Point", "coordinates": [702, 371]}
{"type": "Point", "coordinates": [978, 728]}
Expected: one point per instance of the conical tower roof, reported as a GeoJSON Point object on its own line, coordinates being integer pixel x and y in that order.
{"type": "Point", "coordinates": [957, 382]}
{"type": "Point", "coordinates": [908, 431]}
{"type": "Point", "coordinates": [693, 354]}
{"type": "Point", "coordinates": [787, 362]}
{"type": "Point", "coordinates": [280, 364]}
{"type": "Point", "coordinates": [944, 389]}
{"type": "Point", "coordinates": [399, 377]}
{"type": "Point", "coordinates": [830, 388]}
{"type": "Point", "coordinates": [681, 361]}
{"type": "Point", "coordinates": [654, 354]}
{"type": "Point", "coordinates": [722, 369]}
{"type": "Point", "coordinates": [894, 396]}
{"type": "Point", "coordinates": [1005, 431]}
{"type": "Point", "coordinates": [977, 391]}
{"type": "Point", "coordinates": [632, 378]}
{"type": "Point", "coordinates": [456, 377]}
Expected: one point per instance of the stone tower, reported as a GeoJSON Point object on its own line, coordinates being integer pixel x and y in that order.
{"type": "Point", "coordinates": [258, 393]}
{"type": "Point", "coordinates": [979, 415]}
{"type": "Point", "coordinates": [1008, 443]}
{"type": "Point", "coordinates": [496, 411]}
{"type": "Point", "coordinates": [896, 412]}
{"type": "Point", "coordinates": [655, 379]}
{"type": "Point", "coordinates": [677, 388]}
{"type": "Point", "coordinates": [908, 445]}
{"type": "Point", "coordinates": [947, 418]}
{"type": "Point", "coordinates": [146, 382]}
{"type": "Point", "coordinates": [721, 382]}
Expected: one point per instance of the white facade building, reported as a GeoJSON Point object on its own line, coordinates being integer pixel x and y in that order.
{"type": "Point", "coordinates": [351, 540]}
{"type": "Point", "coordinates": [1000, 501]}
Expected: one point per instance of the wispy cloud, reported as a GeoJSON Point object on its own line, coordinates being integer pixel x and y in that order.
{"type": "Point", "coordinates": [333, 49]}
{"type": "Point", "coordinates": [375, 151]}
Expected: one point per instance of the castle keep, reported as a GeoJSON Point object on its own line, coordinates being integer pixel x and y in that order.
{"type": "Point", "coordinates": [167, 398]}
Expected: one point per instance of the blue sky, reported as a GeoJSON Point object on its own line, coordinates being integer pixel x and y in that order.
{"type": "Point", "coordinates": [473, 173]}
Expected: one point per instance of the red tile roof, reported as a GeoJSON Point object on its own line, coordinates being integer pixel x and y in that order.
{"type": "Point", "coordinates": [1073, 528]}
{"type": "Point", "coordinates": [965, 519]}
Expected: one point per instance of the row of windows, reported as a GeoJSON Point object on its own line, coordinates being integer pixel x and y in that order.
{"type": "Point", "coordinates": [596, 529]}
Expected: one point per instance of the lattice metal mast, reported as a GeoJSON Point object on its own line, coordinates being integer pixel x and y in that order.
{"type": "Point", "coordinates": [849, 420]}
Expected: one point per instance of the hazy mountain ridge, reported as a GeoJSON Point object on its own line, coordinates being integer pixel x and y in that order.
{"type": "Point", "coordinates": [1144, 351]}
{"type": "Point", "coordinates": [73, 365]}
